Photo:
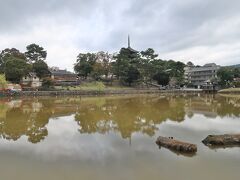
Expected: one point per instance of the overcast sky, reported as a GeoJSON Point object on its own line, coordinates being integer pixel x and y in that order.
{"type": "Point", "coordinates": [200, 31]}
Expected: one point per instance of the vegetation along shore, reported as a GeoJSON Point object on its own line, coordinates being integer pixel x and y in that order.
{"type": "Point", "coordinates": [128, 71]}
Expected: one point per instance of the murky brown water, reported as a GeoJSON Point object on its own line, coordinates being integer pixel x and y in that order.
{"type": "Point", "coordinates": [114, 137]}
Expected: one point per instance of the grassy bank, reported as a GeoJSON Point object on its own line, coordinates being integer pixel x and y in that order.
{"type": "Point", "coordinates": [230, 91]}
{"type": "Point", "coordinates": [93, 86]}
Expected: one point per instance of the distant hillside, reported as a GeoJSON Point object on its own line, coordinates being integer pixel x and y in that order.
{"type": "Point", "coordinates": [235, 66]}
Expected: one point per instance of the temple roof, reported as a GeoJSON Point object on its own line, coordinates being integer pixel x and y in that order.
{"type": "Point", "coordinates": [132, 50]}
{"type": "Point", "coordinates": [61, 72]}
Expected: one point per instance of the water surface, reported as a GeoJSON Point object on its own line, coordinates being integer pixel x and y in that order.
{"type": "Point", "coordinates": [114, 137]}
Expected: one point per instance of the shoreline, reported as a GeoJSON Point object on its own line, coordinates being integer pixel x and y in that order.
{"type": "Point", "coordinates": [101, 92]}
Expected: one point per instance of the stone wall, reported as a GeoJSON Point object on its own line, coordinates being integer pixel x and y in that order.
{"type": "Point", "coordinates": [105, 92]}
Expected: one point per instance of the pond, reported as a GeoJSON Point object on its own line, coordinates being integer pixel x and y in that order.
{"type": "Point", "coordinates": [114, 137]}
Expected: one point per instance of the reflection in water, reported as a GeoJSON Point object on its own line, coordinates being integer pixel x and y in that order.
{"type": "Point", "coordinates": [212, 106]}
{"type": "Point", "coordinates": [179, 153]}
{"type": "Point", "coordinates": [126, 115]}
{"type": "Point", "coordinates": [29, 117]}
{"type": "Point", "coordinates": [88, 138]}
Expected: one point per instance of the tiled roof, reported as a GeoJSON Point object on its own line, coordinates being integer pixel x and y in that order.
{"type": "Point", "coordinates": [132, 50]}
{"type": "Point", "coordinates": [61, 72]}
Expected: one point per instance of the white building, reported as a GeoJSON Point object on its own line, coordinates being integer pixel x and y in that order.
{"type": "Point", "coordinates": [31, 80]}
{"type": "Point", "coordinates": [200, 75]}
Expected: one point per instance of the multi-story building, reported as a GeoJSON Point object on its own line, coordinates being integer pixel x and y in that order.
{"type": "Point", "coordinates": [199, 76]}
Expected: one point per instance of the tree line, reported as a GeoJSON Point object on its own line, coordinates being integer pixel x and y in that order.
{"type": "Point", "coordinates": [227, 76]}
{"type": "Point", "coordinates": [130, 67]}
{"type": "Point", "coordinates": [15, 64]}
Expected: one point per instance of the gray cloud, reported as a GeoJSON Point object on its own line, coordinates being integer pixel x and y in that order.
{"type": "Point", "coordinates": [196, 30]}
{"type": "Point", "coordinates": [15, 14]}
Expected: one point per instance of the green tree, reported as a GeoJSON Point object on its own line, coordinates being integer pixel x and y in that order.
{"type": "Point", "coordinates": [149, 54]}
{"type": "Point", "coordinates": [130, 66]}
{"type": "Point", "coordinates": [236, 72]}
{"type": "Point", "coordinates": [132, 75]}
{"type": "Point", "coordinates": [147, 68]}
{"type": "Point", "coordinates": [162, 78]}
{"type": "Point", "coordinates": [6, 53]}
{"type": "Point", "coordinates": [98, 70]}
{"type": "Point", "coordinates": [120, 65]}
{"type": "Point", "coordinates": [127, 65]}
{"type": "Point", "coordinates": [35, 53]}
{"type": "Point", "coordinates": [84, 64]}
{"type": "Point", "coordinates": [3, 82]}
{"type": "Point", "coordinates": [175, 71]}
{"type": "Point", "coordinates": [105, 60]}
{"type": "Point", "coordinates": [225, 76]}
{"type": "Point", "coordinates": [16, 68]}
{"type": "Point", "coordinates": [41, 68]}
{"type": "Point", "coordinates": [102, 65]}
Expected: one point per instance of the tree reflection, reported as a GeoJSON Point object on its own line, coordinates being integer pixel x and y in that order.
{"type": "Point", "coordinates": [24, 120]}
{"type": "Point", "coordinates": [124, 115]}
{"type": "Point", "coordinates": [213, 105]}
{"type": "Point", "coordinates": [30, 117]}
{"type": "Point", "coordinates": [229, 106]}
{"type": "Point", "coordinates": [129, 115]}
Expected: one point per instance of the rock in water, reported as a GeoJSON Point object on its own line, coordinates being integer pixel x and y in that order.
{"type": "Point", "coordinates": [225, 140]}
{"type": "Point", "coordinates": [175, 145]}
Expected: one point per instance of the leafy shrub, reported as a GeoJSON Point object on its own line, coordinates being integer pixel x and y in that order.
{"type": "Point", "coordinates": [95, 86]}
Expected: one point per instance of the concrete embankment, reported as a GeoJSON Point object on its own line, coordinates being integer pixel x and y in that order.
{"type": "Point", "coordinates": [104, 92]}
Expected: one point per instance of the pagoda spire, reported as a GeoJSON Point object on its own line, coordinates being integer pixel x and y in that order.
{"type": "Point", "coordinates": [129, 46]}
